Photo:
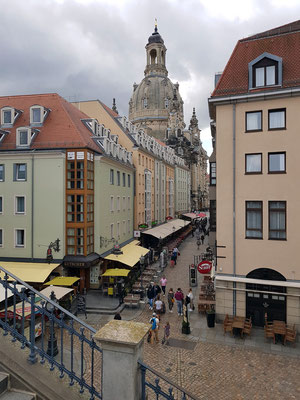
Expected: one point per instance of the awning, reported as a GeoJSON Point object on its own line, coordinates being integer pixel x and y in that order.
{"type": "Point", "coordinates": [28, 272]}
{"type": "Point", "coordinates": [59, 291]}
{"type": "Point", "coordinates": [131, 255]}
{"type": "Point", "coordinates": [9, 292]}
{"type": "Point", "coordinates": [190, 215]}
{"type": "Point", "coordinates": [164, 230]}
{"type": "Point", "coordinates": [63, 281]}
{"type": "Point", "coordinates": [116, 272]}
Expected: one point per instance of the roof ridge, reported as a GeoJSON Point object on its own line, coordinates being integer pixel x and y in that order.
{"type": "Point", "coordinates": [278, 31]}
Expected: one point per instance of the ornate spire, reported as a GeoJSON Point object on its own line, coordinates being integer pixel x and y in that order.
{"type": "Point", "coordinates": [155, 25]}
{"type": "Point", "coordinates": [114, 107]}
{"type": "Point", "coordinates": [194, 120]}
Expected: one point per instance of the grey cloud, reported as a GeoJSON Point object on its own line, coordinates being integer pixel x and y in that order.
{"type": "Point", "coordinates": [98, 51]}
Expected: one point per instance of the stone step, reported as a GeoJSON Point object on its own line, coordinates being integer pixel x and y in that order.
{"type": "Point", "coordinates": [17, 395]}
{"type": "Point", "coordinates": [3, 382]}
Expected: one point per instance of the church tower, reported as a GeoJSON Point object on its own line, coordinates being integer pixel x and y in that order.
{"type": "Point", "coordinates": [156, 104]}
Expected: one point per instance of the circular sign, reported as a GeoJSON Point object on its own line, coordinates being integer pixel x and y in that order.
{"type": "Point", "coordinates": [204, 267]}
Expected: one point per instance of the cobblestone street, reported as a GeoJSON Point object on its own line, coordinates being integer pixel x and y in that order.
{"type": "Point", "coordinates": [219, 367]}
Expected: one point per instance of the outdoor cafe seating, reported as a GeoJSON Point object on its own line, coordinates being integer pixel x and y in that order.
{"type": "Point", "coordinates": [279, 331]}
{"type": "Point", "coordinates": [237, 325]}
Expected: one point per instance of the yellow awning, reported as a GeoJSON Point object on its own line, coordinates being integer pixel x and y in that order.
{"type": "Point", "coordinates": [28, 272]}
{"type": "Point", "coordinates": [63, 281]}
{"type": "Point", "coordinates": [116, 272]}
{"type": "Point", "coordinates": [131, 255]}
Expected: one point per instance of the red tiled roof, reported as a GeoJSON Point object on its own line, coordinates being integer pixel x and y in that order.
{"type": "Point", "coordinates": [62, 128]}
{"type": "Point", "coordinates": [283, 42]}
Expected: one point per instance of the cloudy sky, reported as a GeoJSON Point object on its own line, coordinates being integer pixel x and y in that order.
{"type": "Point", "coordinates": [88, 49]}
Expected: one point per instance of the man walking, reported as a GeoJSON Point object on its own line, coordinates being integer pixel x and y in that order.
{"type": "Point", "coordinates": [179, 300]}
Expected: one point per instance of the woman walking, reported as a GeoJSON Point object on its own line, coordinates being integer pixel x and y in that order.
{"type": "Point", "coordinates": [171, 300]}
{"type": "Point", "coordinates": [179, 297]}
{"type": "Point", "coordinates": [191, 297]}
{"type": "Point", "coordinates": [163, 284]}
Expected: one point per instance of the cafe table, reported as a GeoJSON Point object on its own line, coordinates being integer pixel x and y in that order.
{"type": "Point", "coordinates": [279, 329]}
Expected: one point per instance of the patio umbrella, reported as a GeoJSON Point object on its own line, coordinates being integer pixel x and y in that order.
{"type": "Point", "coordinates": [202, 215]}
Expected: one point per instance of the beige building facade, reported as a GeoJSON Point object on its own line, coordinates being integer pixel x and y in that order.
{"type": "Point", "coordinates": [257, 197]}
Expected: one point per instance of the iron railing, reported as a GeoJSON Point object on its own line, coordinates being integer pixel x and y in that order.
{"type": "Point", "coordinates": [40, 324]}
{"type": "Point", "coordinates": [156, 386]}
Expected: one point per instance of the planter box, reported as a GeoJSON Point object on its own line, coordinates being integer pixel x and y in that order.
{"type": "Point", "coordinates": [211, 320]}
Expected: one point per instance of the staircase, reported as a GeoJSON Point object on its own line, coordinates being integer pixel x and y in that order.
{"type": "Point", "coordinates": [9, 393]}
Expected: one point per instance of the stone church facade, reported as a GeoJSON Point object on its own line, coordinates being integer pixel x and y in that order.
{"type": "Point", "coordinates": [156, 107]}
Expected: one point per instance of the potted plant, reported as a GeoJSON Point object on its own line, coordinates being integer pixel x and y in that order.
{"type": "Point", "coordinates": [210, 317]}
{"type": "Point", "coordinates": [186, 327]}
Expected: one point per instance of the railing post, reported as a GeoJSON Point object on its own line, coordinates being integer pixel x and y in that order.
{"type": "Point", "coordinates": [143, 373]}
{"type": "Point", "coordinates": [122, 346]}
{"type": "Point", "coordinates": [32, 356]}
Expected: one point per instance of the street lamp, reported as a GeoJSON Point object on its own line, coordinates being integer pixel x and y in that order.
{"type": "Point", "coordinates": [52, 349]}
{"type": "Point", "coordinates": [142, 263]}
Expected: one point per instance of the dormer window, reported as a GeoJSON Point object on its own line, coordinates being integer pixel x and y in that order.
{"type": "Point", "coordinates": [264, 71]}
{"type": "Point", "coordinates": [38, 114]}
{"type": "Point", "coordinates": [23, 137]}
{"type": "Point", "coordinates": [9, 116]}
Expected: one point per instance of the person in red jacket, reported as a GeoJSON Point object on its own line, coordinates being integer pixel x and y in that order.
{"type": "Point", "coordinates": [179, 297]}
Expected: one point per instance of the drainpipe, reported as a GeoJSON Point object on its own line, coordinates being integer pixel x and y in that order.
{"type": "Point", "coordinates": [32, 203]}
{"type": "Point", "coordinates": [234, 205]}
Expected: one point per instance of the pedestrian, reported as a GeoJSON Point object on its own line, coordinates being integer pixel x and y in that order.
{"type": "Point", "coordinates": [179, 297]}
{"type": "Point", "coordinates": [151, 295]}
{"type": "Point", "coordinates": [191, 297]}
{"type": "Point", "coordinates": [173, 259]}
{"type": "Point", "coordinates": [163, 283]}
{"type": "Point", "coordinates": [154, 328]}
{"type": "Point", "coordinates": [118, 316]}
{"type": "Point", "coordinates": [166, 333]}
{"type": "Point", "coordinates": [171, 300]}
{"type": "Point", "coordinates": [158, 306]}
{"type": "Point", "coordinates": [175, 252]}
{"type": "Point", "coordinates": [202, 239]}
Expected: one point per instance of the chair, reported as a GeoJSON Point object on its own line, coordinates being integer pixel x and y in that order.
{"type": "Point", "coordinates": [268, 328]}
{"type": "Point", "coordinates": [201, 307]}
{"type": "Point", "coordinates": [227, 324]}
{"type": "Point", "coordinates": [291, 334]}
{"type": "Point", "coordinates": [247, 326]}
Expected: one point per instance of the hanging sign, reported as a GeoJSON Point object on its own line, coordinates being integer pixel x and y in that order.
{"type": "Point", "coordinates": [204, 267]}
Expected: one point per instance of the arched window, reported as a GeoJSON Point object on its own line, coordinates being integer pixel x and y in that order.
{"type": "Point", "coordinates": [163, 57]}
{"type": "Point", "coordinates": [145, 103]}
{"type": "Point", "coordinates": [166, 103]}
{"type": "Point", "coordinates": [153, 56]}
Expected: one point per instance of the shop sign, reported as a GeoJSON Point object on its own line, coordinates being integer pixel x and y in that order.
{"type": "Point", "coordinates": [204, 267]}
{"type": "Point", "coordinates": [136, 234]}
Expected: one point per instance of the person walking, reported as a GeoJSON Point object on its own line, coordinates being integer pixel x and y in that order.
{"type": "Point", "coordinates": [175, 252]}
{"type": "Point", "coordinates": [163, 284]}
{"type": "Point", "coordinates": [179, 297]}
{"type": "Point", "coordinates": [154, 328]}
{"type": "Point", "coordinates": [158, 306]}
{"type": "Point", "coordinates": [171, 300]}
{"type": "Point", "coordinates": [157, 290]}
{"type": "Point", "coordinates": [191, 297]}
{"type": "Point", "coordinates": [202, 239]}
{"type": "Point", "coordinates": [151, 296]}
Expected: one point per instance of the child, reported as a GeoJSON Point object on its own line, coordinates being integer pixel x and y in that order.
{"type": "Point", "coordinates": [166, 333]}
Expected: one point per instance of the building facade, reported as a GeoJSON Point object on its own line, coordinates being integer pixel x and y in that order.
{"type": "Point", "coordinates": [154, 163]}
{"type": "Point", "coordinates": [255, 107]}
{"type": "Point", "coordinates": [55, 184]}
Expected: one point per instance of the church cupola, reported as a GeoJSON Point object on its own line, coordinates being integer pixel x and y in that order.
{"type": "Point", "coordinates": [156, 55]}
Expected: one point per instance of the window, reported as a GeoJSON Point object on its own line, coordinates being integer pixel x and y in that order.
{"type": "Point", "coordinates": [212, 214]}
{"type": "Point", "coordinates": [1, 204]}
{"type": "Point", "coordinates": [118, 230]}
{"type": "Point", "coordinates": [2, 176]}
{"type": "Point", "coordinates": [111, 203]}
{"type": "Point", "coordinates": [111, 177]}
{"type": "Point", "coordinates": [124, 179]}
{"type": "Point", "coordinates": [265, 70]}
{"type": "Point", "coordinates": [128, 180]}
{"type": "Point", "coordinates": [1, 238]}
{"type": "Point", "coordinates": [166, 103]}
{"type": "Point", "coordinates": [128, 202]}
{"type": "Point", "coordinates": [111, 231]}
{"type": "Point", "coordinates": [20, 205]}
{"type": "Point", "coordinates": [36, 115]}
{"type": "Point", "coordinates": [277, 220]}
{"type": "Point", "coordinates": [253, 121]}
{"type": "Point", "coordinates": [23, 137]}
{"type": "Point", "coordinates": [253, 163]}
{"type": "Point", "coordinates": [124, 228]}
{"type": "Point", "coordinates": [124, 203]}
{"type": "Point", "coordinates": [145, 103]}
{"type": "Point", "coordinates": [118, 178]}
{"type": "Point", "coordinates": [19, 238]}
{"type": "Point", "coordinates": [265, 76]}
{"type": "Point", "coordinates": [276, 163]}
{"type": "Point", "coordinates": [20, 172]}
{"type": "Point", "coordinates": [254, 220]}
{"type": "Point", "coordinates": [118, 203]}
{"type": "Point", "coordinates": [7, 116]}
{"type": "Point", "coordinates": [212, 173]}
{"type": "Point", "coordinates": [277, 119]}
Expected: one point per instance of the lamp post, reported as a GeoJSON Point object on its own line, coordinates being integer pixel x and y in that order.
{"type": "Point", "coordinates": [142, 263]}
{"type": "Point", "coordinates": [52, 349]}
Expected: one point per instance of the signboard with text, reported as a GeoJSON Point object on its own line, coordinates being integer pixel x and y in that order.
{"type": "Point", "coordinates": [204, 267]}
